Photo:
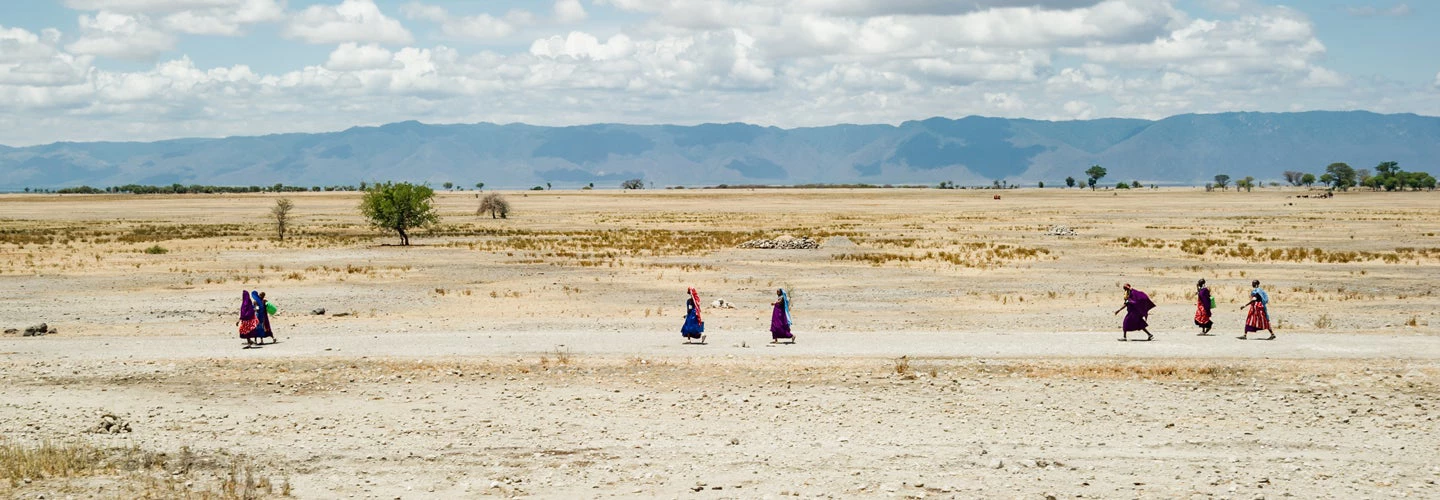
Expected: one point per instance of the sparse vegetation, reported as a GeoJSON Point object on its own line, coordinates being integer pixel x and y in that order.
{"type": "Point", "coordinates": [633, 184]}
{"type": "Point", "coordinates": [280, 213]}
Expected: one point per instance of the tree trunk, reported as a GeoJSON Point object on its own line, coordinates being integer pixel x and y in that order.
{"type": "Point", "coordinates": [404, 238]}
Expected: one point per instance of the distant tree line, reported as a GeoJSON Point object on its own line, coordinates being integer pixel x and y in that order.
{"type": "Point", "coordinates": [1388, 176]}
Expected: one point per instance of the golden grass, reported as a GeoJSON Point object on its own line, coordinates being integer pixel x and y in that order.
{"type": "Point", "coordinates": [135, 472]}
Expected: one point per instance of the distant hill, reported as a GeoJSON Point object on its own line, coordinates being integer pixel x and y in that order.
{"type": "Point", "coordinates": [1184, 149]}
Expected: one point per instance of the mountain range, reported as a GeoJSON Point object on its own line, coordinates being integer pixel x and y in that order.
{"type": "Point", "coordinates": [1183, 149]}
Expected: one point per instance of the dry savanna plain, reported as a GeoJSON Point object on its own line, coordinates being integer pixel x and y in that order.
{"type": "Point", "coordinates": [949, 346]}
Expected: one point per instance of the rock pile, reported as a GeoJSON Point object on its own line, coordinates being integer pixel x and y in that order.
{"type": "Point", "coordinates": [35, 330]}
{"type": "Point", "coordinates": [1061, 231]}
{"type": "Point", "coordinates": [110, 424]}
{"type": "Point", "coordinates": [783, 243]}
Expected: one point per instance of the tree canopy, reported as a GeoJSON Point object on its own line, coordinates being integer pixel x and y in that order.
{"type": "Point", "coordinates": [1095, 173]}
{"type": "Point", "coordinates": [399, 207]}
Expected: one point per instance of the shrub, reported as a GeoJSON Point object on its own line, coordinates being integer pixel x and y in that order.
{"type": "Point", "coordinates": [496, 205]}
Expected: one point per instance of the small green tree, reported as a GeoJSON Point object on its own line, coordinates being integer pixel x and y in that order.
{"type": "Point", "coordinates": [1042, 184]}
{"type": "Point", "coordinates": [1069, 182]}
{"type": "Point", "coordinates": [448, 185]}
{"type": "Point", "coordinates": [1221, 181]}
{"type": "Point", "coordinates": [480, 186]}
{"type": "Point", "coordinates": [400, 207]}
{"type": "Point", "coordinates": [281, 214]}
{"type": "Point", "coordinates": [547, 186]}
{"type": "Point", "coordinates": [1095, 173]}
{"type": "Point", "coordinates": [1122, 185]}
{"type": "Point", "coordinates": [1136, 184]}
{"type": "Point", "coordinates": [1307, 180]}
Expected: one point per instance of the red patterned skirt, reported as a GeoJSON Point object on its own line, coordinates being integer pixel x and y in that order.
{"type": "Point", "coordinates": [1257, 319]}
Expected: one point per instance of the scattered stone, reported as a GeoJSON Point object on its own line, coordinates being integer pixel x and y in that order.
{"type": "Point", "coordinates": [12, 331]}
{"type": "Point", "coordinates": [319, 311]}
{"type": "Point", "coordinates": [1061, 231]}
{"type": "Point", "coordinates": [996, 463]}
{"type": "Point", "coordinates": [340, 315]}
{"type": "Point", "coordinates": [786, 242]}
{"type": "Point", "coordinates": [37, 330]}
{"type": "Point", "coordinates": [110, 424]}
{"type": "Point", "coordinates": [721, 304]}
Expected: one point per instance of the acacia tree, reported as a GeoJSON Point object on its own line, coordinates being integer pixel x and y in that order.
{"type": "Point", "coordinates": [1307, 180]}
{"type": "Point", "coordinates": [1095, 173]}
{"type": "Point", "coordinates": [1221, 181]}
{"type": "Point", "coordinates": [1342, 176]}
{"type": "Point", "coordinates": [400, 207]}
{"type": "Point", "coordinates": [480, 186]}
{"type": "Point", "coordinates": [1069, 182]}
{"type": "Point", "coordinates": [281, 214]}
{"type": "Point", "coordinates": [633, 184]}
{"type": "Point", "coordinates": [496, 205]}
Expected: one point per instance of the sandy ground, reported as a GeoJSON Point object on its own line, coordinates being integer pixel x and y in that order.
{"type": "Point", "coordinates": [538, 356]}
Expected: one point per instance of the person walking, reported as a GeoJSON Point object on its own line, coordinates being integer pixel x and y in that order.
{"type": "Point", "coordinates": [1259, 316]}
{"type": "Point", "coordinates": [1203, 308]}
{"type": "Point", "coordinates": [694, 327]}
{"type": "Point", "coordinates": [780, 318]}
{"type": "Point", "coordinates": [1137, 307]}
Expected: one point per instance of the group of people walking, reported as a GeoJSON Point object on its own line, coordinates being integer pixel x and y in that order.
{"type": "Point", "coordinates": [1137, 308]}
{"type": "Point", "coordinates": [255, 314]}
{"type": "Point", "coordinates": [255, 318]}
{"type": "Point", "coordinates": [694, 327]}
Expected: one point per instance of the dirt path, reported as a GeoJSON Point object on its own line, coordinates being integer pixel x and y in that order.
{"type": "Point", "coordinates": [724, 345]}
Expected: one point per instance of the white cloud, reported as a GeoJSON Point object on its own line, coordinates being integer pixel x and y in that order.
{"type": "Point", "coordinates": [228, 19]}
{"type": "Point", "coordinates": [477, 27]}
{"type": "Point", "coordinates": [1079, 110]}
{"type": "Point", "coordinates": [36, 60]}
{"type": "Point", "coordinates": [348, 21]}
{"type": "Point", "coordinates": [570, 11]}
{"type": "Point", "coordinates": [123, 36]}
{"type": "Point", "coordinates": [354, 57]}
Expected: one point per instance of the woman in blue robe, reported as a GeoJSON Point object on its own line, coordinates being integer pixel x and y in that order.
{"type": "Point", "coordinates": [694, 328]}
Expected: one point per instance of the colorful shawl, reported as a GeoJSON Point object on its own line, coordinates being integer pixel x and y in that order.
{"type": "Point", "coordinates": [1264, 297]}
{"type": "Point", "coordinates": [696, 297]}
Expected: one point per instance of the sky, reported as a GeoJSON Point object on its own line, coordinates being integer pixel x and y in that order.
{"type": "Point", "coordinates": [143, 70]}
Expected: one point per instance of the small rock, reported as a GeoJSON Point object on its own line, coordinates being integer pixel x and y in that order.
{"type": "Point", "coordinates": [12, 331]}
{"type": "Point", "coordinates": [997, 464]}
{"type": "Point", "coordinates": [36, 330]}
{"type": "Point", "coordinates": [319, 311]}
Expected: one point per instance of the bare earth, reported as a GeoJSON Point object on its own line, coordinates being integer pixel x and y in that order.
{"type": "Point", "coordinates": [947, 346]}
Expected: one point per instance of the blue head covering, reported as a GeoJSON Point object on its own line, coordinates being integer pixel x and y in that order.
{"type": "Point", "coordinates": [785, 302]}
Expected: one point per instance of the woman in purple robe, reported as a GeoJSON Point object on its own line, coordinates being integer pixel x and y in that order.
{"type": "Point", "coordinates": [1137, 307]}
{"type": "Point", "coordinates": [780, 318]}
